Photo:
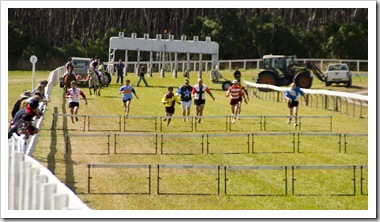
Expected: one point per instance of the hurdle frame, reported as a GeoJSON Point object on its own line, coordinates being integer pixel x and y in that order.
{"type": "Point", "coordinates": [294, 168]}
{"type": "Point", "coordinates": [301, 117]}
{"type": "Point", "coordinates": [68, 136]}
{"type": "Point", "coordinates": [352, 135]}
{"type": "Point", "coordinates": [117, 165]}
{"type": "Point", "coordinates": [55, 119]}
{"type": "Point", "coordinates": [95, 117]}
{"type": "Point", "coordinates": [176, 117]}
{"type": "Point", "coordinates": [318, 134]}
{"type": "Point", "coordinates": [245, 117]}
{"type": "Point", "coordinates": [285, 168]}
{"type": "Point", "coordinates": [228, 135]}
{"type": "Point", "coordinates": [155, 135]}
{"type": "Point", "coordinates": [196, 118]}
{"type": "Point", "coordinates": [181, 135]}
{"type": "Point", "coordinates": [139, 117]}
{"type": "Point", "coordinates": [253, 135]}
{"type": "Point", "coordinates": [362, 178]}
{"type": "Point", "coordinates": [186, 166]}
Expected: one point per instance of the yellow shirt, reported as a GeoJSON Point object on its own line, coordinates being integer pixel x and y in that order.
{"type": "Point", "coordinates": [170, 101]}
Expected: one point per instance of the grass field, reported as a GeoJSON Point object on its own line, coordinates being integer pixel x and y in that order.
{"type": "Point", "coordinates": [71, 168]}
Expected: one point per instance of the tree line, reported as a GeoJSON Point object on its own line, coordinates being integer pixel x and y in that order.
{"type": "Point", "coordinates": [246, 33]}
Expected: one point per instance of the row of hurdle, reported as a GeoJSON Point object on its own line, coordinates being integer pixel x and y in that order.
{"type": "Point", "coordinates": [194, 123]}
{"type": "Point", "coordinates": [244, 143]}
{"type": "Point", "coordinates": [198, 179]}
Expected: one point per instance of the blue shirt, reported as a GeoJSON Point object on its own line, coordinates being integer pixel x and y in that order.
{"type": "Point", "coordinates": [127, 92]}
{"type": "Point", "coordinates": [293, 93]}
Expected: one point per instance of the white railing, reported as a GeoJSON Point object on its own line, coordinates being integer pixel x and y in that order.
{"type": "Point", "coordinates": [31, 186]}
{"type": "Point", "coordinates": [244, 64]}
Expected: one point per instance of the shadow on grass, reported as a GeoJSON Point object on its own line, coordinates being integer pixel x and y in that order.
{"type": "Point", "coordinates": [69, 174]}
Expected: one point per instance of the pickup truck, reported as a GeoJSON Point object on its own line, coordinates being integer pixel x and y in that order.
{"type": "Point", "coordinates": [80, 70]}
{"type": "Point", "coordinates": [338, 73]}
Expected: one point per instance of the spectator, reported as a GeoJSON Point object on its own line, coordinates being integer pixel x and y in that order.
{"type": "Point", "coordinates": [198, 92]}
{"type": "Point", "coordinates": [73, 96]}
{"type": "Point", "coordinates": [120, 71]}
{"type": "Point", "coordinates": [126, 92]}
{"type": "Point", "coordinates": [23, 126]}
{"type": "Point", "coordinates": [291, 94]}
{"type": "Point", "coordinates": [31, 109]}
{"type": "Point", "coordinates": [141, 76]}
{"type": "Point", "coordinates": [185, 92]}
{"type": "Point", "coordinates": [169, 101]}
{"type": "Point", "coordinates": [24, 95]}
{"type": "Point", "coordinates": [41, 87]}
{"type": "Point", "coordinates": [237, 74]}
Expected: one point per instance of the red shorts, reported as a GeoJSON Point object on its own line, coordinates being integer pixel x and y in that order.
{"type": "Point", "coordinates": [292, 104]}
{"type": "Point", "coordinates": [233, 102]}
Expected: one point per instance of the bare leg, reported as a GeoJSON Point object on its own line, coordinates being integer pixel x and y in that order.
{"type": "Point", "coordinates": [290, 115]}
{"type": "Point", "coordinates": [169, 119]}
{"type": "Point", "coordinates": [72, 113]}
{"type": "Point", "coordinates": [127, 107]}
{"type": "Point", "coordinates": [295, 115]}
{"type": "Point", "coordinates": [76, 112]}
{"type": "Point", "coordinates": [239, 109]}
{"type": "Point", "coordinates": [235, 110]}
{"type": "Point", "coordinates": [184, 114]}
{"type": "Point", "coordinates": [200, 111]}
{"type": "Point", "coordinates": [187, 113]}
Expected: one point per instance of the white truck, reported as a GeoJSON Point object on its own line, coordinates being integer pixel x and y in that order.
{"type": "Point", "coordinates": [338, 73]}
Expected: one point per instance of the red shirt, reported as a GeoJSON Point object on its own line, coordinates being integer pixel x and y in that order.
{"type": "Point", "coordinates": [234, 92]}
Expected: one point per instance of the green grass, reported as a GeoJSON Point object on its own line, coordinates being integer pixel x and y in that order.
{"type": "Point", "coordinates": [71, 168]}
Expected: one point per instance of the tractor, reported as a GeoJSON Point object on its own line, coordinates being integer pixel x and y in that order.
{"type": "Point", "coordinates": [280, 70]}
{"type": "Point", "coordinates": [215, 76]}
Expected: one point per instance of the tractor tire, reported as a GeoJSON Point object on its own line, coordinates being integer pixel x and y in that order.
{"type": "Point", "coordinates": [226, 85]}
{"type": "Point", "coordinates": [108, 78]}
{"type": "Point", "coordinates": [267, 78]}
{"type": "Point", "coordinates": [303, 80]}
{"type": "Point", "coordinates": [349, 83]}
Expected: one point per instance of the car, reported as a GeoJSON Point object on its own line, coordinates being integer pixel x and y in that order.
{"type": "Point", "coordinates": [80, 69]}
{"type": "Point", "coordinates": [338, 73]}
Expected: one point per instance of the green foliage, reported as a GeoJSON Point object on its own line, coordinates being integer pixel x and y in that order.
{"type": "Point", "coordinates": [350, 41]}
{"type": "Point", "coordinates": [16, 40]}
{"type": "Point", "coordinates": [73, 51]}
{"type": "Point", "coordinates": [240, 36]}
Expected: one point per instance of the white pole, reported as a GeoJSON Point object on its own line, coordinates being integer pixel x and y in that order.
{"type": "Point", "coordinates": [33, 59]}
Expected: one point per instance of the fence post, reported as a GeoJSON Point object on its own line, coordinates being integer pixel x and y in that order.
{"type": "Point", "coordinates": [48, 190]}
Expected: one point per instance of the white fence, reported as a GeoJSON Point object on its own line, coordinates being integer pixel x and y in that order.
{"type": "Point", "coordinates": [31, 186]}
{"type": "Point", "coordinates": [353, 98]}
{"type": "Point", "coordinates": [244, 64]}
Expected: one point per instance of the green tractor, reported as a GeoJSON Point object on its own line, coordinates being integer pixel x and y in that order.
{"type": "Point", "coordinates": [280, 70]}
